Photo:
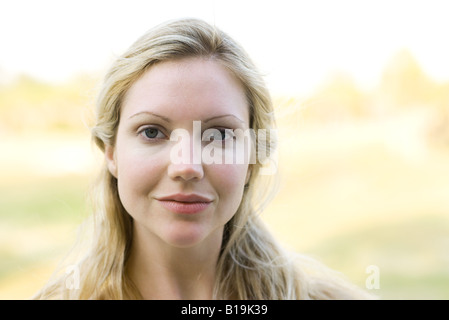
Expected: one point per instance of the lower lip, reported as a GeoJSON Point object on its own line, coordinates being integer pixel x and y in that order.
{"type": "Point", "coordinates": [184, 207]}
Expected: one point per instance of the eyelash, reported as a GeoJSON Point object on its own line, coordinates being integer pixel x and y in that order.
{"type": "Point", "coordinates": [224, 132]}
{"type": "Point", "coordinates": [143, 132]}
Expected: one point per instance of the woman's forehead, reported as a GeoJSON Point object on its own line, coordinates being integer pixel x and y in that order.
{"type": "Point", "coordinates": [190, 86]}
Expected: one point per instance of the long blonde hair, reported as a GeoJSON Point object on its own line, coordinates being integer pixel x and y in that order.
{"type": "Point", "coordinates": [251, 265]}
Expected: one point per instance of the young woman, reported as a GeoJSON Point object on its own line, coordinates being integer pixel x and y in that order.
{"type": "Point", "coordinates": [169, 223]}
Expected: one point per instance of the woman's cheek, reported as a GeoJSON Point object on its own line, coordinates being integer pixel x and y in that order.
{"type": "Point", "coordinates": [140, 168]}
{"type": "Point", "coordinates": [228, 178]}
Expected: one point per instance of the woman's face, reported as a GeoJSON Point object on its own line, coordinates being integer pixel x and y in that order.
{"type": "Point", "coordinates": [181, 203]}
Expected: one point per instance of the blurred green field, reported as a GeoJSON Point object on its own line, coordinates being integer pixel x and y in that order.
{"type": "Point", "coordinates": [364, 180]}
{"type": "Point", "coordinates": [351, 199]}
{"type": "Point", "coordinates": [353, 206]}
{"type": "Point", "coordinates": [39, 217]}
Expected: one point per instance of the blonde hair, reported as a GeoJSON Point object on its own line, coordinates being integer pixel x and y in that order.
{"type": "Point", "coordinates": [251, 264]}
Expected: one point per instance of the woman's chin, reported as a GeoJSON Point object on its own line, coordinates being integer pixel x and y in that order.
{"type": "Point", "coordinates": [186, 237]}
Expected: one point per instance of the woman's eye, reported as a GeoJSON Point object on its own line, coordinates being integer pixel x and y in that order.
{"type": "Point", "coordinates": [152, 133]}
{"type": "Point", "coordinates": [219, 134]}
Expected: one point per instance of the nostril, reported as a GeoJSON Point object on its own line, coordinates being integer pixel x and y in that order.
{"type": "Point", "coordinates": [185, 171]}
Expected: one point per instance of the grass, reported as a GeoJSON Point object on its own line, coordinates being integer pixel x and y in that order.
{"type": "Point", "coordinates": [39, 218]}
{"type": "Point", "coordinates": [43, 200]}
{"type": "Point", "coordinates": [350, 196]}
{"type": "Point", "coordinates": [412, 257]}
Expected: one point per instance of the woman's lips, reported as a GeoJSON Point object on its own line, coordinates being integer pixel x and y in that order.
{"type": "Point", "coordinates": [185, 203]}
{"type": "Point", "coordinates": [184, 207]}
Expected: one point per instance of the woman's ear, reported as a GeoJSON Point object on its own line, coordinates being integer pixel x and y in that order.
{"type": "Point", "coordinates": [111, 162]}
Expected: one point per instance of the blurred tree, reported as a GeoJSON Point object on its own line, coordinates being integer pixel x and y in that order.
{"type": "Point", "coordinates": [404, 83]}
{"type": "Point", "coordinates": [438, 132]}
{"type": "Point", "coordinates": [28, 104]}
{"type": "Point", "coordinates": [338, 99]}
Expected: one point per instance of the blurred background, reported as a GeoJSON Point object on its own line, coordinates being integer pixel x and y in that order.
{"type": "Point", "coordinates": [361, 90]}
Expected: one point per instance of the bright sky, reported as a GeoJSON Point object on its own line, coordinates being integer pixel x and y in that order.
{"type": "Point", "coordinates": [295, 43]}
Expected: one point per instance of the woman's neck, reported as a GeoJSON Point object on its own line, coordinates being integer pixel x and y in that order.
{"type": "Point", "coordinates": [161, 271]}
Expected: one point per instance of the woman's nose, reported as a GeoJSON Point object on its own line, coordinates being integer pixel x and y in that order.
{"type": "Point", "coordinates": [185, 157]}
{"type": "Point", "coordinates": [185, 171]}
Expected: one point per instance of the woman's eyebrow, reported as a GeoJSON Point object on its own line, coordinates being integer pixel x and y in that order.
{"type": "Point", "coordinates": [223, 116]}
{"type": "Point", "coordinates": [150, 113]}
{"type": "Point", "coordinates": [168, 120]}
